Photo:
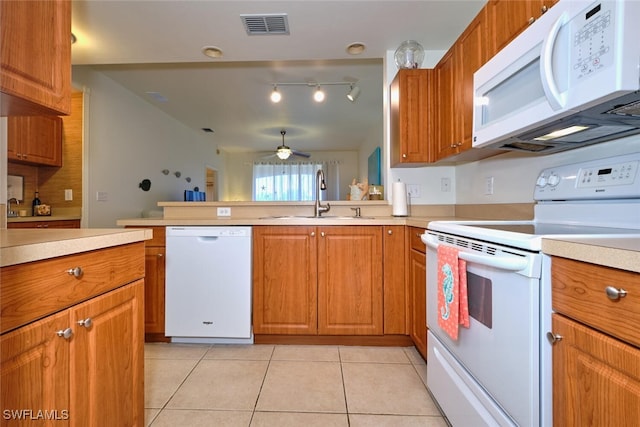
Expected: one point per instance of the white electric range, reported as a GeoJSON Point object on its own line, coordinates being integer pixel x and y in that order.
{"type": "Point", "coordinates": [498, 371]}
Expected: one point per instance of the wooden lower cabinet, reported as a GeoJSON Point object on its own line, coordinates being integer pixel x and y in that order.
{"type": "Point", "coordinates": [596, 378]}
{"type": "Point", "coordinates": [418, 290]}
{"type": "Point", "coordinates": [317, 280]}
{"type": "Point", "coordinates": [396, 315]}
{"type": "Point", "coordinates": [285, 273]}
{"type": "Point", "coordinates": [350, 280]}
{"type": "Point", "coordinates": [93, 377]}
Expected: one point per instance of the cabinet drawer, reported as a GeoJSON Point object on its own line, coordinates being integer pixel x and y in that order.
{"type": "Point", "coordinates": [579, 292]}
{"type": "Point", "coordinates": [33, 290]}
{"type": "Point", "coordinates": [414, 237]}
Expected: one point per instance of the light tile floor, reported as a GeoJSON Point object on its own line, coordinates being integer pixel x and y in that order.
{"type": "Point", "coordinates": [285, 385]}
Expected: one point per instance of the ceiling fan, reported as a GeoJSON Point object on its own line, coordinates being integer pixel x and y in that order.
{"type": "Point", "coordinates": [283, 152]}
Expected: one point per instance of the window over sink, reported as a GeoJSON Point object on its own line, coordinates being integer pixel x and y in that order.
{"type": "Point", "coordinates": [293, 181]}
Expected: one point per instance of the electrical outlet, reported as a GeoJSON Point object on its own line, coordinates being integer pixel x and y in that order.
{"type": "Point", "coordinates": [445, 185]}
{"type": "Point", "coordinates": [413, 190]}
{"type": "Point", "coordinates": [224, 211]}
{"type": "Point", "coordinates": [488, 185]}
{"type": "Point", "coordinates": [102, 196]}
{"type": "Point", "coordinates": [68, 194]}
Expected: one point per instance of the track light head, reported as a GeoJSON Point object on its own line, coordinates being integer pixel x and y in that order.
{"type": "Point", "coordinates": [353, 94]}
{"type": "Point", "coordinates": [275, 95]}
{"type": "Point", "coordinates": [318, 95]}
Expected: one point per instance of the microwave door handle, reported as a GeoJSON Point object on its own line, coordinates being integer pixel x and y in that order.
{"type": "Point", "coordinates": [549, 85]}
{"type": "Point", "coordinates": [502, 262]}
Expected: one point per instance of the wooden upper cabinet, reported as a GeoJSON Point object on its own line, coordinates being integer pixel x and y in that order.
{"type": "Point", "coordinates": [455, 89]}
{"type": "Point", "coordinates": [411, 95]}
{"type": "Point", "coordinates": [35, 140]}
{"type": "Point", "coordinates": [35, 57]}
{"type": "Point", "coordinates": [508, 18]}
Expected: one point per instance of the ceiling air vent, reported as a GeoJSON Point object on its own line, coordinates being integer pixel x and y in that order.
{"type": "Point", "coordinates": [263, 24]}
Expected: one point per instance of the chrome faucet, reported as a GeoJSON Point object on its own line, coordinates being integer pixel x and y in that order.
{"type": "Point", "coordinates": [320, 185]}
{"type": "Point", "coordinates": [11, 213]}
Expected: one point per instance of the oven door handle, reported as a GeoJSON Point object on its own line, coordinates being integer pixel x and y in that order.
{"type": "Point", "coordinates": [501, 261]}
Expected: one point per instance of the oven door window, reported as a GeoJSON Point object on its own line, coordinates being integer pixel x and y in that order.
{"type": "Point", "coordinates": [480, 299]}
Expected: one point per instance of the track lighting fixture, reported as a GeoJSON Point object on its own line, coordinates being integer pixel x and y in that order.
{"type": "Point", "coordinates": [275, 95]}
{"type": "Point", "coordinates": [318, 94]}
{"type": "Point", "coordinates": [353, 94]}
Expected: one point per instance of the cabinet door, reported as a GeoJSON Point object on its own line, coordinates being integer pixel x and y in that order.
{"type": "Point", "coordinates": [35, 371]}
{"type": "Point", "coordinates": [107, 375]}
{"type": "Point", "coordinates": [35, 57]}
{"type": "Point", "coordinates": [395, 294]}
{"type": "Point", "coordinates": [284, 280]}
{"type": "Point", "coordinates": [411, 124]}
{"type": "Point", "coordinates": [418, 298]}
{"type": "Point", "coordinates": [154, 299]}
{"type": "Point", "coordinates": [449, 129]}
{"type": "Point", "coordinates": [596, 379]}
{"type": "Point", "coordinates": [35, 140]}
{"type": "Point", "coordinates": [508, 18]}
{"type": "Point", "coordinates": [350, 280]}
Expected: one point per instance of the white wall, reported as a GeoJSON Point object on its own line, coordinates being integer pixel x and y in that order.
{"type": "Point", "coordinates": [128, 140]}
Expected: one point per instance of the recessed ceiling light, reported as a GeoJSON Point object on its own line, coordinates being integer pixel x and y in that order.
{"type": "Point", "coordinates": [356, 48]}
{"type": "Point", "coordinates": [212, 51]}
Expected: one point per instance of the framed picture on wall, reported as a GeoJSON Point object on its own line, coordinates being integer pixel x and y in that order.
{"type": "Point", "coordinates": [15, 187]}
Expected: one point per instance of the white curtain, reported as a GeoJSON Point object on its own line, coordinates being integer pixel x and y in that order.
{"type": "Point", "coordinates": [279, 181]}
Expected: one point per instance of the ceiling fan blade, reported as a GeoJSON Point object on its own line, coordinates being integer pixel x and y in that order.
{"type": "Point", "coordinates": [300, 154]}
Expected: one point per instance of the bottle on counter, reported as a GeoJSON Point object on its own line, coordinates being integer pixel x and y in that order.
{"type": "Point", "coordinates": [35, 204]}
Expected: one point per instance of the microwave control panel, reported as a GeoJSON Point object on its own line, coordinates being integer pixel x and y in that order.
{"type": "Point", "coordinates": [593, 38]}
{"type": "Point", "coordinates": [610, 178]}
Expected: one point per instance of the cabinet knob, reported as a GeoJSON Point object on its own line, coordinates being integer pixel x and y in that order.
{"type": "Point", "coordinates": [313, 234]}
{"type": "Point", "coordinates": [66, 333]}
{"type": "Point", "coordinates": [544, 9]}
{"type": "Point", "coordinates": [389, 232]}
{"type": "Point", "coordinates": [86, 322]}
{"type": "Point", "coordinates": [322, 233]}
{"type": "Point", "coordinates": [404, 156]}
{"type": "Point", "coordinates": [75, 272]}
{"type": "Point", "coordinates": [159, 255]}
{"type": "Point", "coordinates": [531, 20]}
{"type": "Point", "coordinates": [553, 338]}
{"type": "Point", "coordinates": [614, 294]}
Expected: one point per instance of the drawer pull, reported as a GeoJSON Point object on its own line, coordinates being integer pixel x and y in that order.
{"type": "Point", "coordinates": [75, 272]}
{"type": "Point", "coordinates": [614, 294]}
{"type": "Point", "coordinates": [389, 232]}
{"type": "Point", "coordinates": [66, 333]}
{"type": "Point", "coordinates": [86, 322]}
{"type": "Point", "coordinates": [553, 338]}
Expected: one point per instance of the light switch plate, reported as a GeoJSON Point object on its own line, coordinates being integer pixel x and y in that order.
{"type": "Point", "coordinates": [413, 190]}
{"type": "Point", "coordinates": [68, 194]}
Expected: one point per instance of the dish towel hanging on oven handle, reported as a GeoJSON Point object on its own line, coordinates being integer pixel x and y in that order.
{"type": "Point", "coordinates": [453, 302]}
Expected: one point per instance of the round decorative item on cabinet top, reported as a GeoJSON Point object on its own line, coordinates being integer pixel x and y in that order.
{"type": "Point", "coordinates": [409, 54]}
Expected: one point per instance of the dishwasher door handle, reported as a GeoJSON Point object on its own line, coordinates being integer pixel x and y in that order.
{"type": "Point", "coordinates": [208, 238]}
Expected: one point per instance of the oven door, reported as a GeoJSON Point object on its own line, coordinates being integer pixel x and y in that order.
{"type": "Point", "coordinates": [497, 357]}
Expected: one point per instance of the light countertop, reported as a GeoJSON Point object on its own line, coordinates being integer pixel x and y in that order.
{"type": "Point", "coordinates": [18, 246]}
{"type": "Point", "coordinates": [621, 252]}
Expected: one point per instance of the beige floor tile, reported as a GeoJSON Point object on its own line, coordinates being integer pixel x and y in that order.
{"type": "Point", "coordinates": [318, 353]}
{"type": "Point", "coordinates": [373, 354]}
{"type": "Point", "coordinates": [298, 386]}
{"type": "Point", "coordinates": [386, 389]}
{"type": "Point", "coordinates": [297, 419]}
{"type": "Point", "coordinates": [221, 384]}
{"type": "Point", "coordinates": [422, 372]}
{"type": "Point", "coordinates": [240, 352]}
{"type": "Point", "coordinates": [356, 420]}
{"type": "Point", "coordinates": [192, 418]}
{"type": "Point", "coordinates": [150, 415]}
{"type": "Point", "coordinates": [161, 350]}
{"type": "Point", "coordinates": [414, 356]}
{"type": "Point", "coordinates": [162, 379]}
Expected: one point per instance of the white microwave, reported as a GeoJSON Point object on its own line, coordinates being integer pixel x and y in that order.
{"type": "Point", "coordinates": [571, 79]}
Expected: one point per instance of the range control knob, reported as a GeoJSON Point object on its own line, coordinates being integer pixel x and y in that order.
{"type": "Point", "coordinates": [553, 180]}
{"type": "Point", "coordinates": [542, 181]}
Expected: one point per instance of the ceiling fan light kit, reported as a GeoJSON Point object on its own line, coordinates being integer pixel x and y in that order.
{"type": "Point", "coordinates": [283, 152]}
{"type": "Point", "coordinates": [318, 94]}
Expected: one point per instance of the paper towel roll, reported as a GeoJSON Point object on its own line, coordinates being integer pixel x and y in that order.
{"type": "Point", "coordinates": [399, 199]}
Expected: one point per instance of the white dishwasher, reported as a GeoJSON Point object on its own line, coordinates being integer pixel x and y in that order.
{"type": "Point", "coordinates": [208, 284]}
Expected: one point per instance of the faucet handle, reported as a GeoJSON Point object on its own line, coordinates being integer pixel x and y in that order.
{"type": "Point", "coordinates": [357, 211]}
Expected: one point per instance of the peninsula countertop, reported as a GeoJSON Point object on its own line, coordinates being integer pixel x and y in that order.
{"type": "Point", "coordinates": [18, 246]}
